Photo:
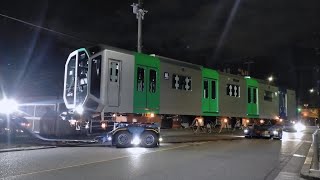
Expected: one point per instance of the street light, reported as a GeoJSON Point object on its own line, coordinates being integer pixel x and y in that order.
{"type": "Point", "coordinates": [311, 90]}
{"type": "Point", "coordinates": [270, 79]}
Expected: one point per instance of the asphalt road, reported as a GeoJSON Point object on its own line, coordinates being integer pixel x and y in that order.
{"type": "Point", "coordinates": [239, 159]}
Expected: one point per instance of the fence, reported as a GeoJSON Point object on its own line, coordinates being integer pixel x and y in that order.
{"type": "Point", "coordinates": [315, 145]}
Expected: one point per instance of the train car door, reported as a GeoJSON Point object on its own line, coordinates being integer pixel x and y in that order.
{"type": "Point", "coordinates": [210, 105]}
{"type": "Point", "coordinates": [114, 83]}
{"type": "Point", "coordinates": [147, 88]}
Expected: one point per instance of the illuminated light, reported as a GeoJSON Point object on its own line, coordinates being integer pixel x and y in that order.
{"type": "Point", "coordinates": [261, 121]}
{"type": "Point", "coordinates": [276, 117]}
{"type": "Point", "coordinates": [248, 120]}
{"type": "Point", "coordinates": [103, 125]}
{"type": "Point", "coordinates": [8, 106]}
{"type": "Point", "coordinates": [275, 132]}
{"type": "Point", "coordinates": [109, 138]}
{"type": "Point", "coordinates": [270, 79]}
{"type": "Point", "coordinates": [293, 122]}
{"type": "Point", "coordinates": [311, 90]}
{"type": "Point", "coordinates": [247, 77]}
{"type": "Point", "coordinates": [299, 109]}
{"type": "Point", "coordinates": [136, 140]}
{"type": "Point", "coordinates": [114, 115]}
{"type": "Point", "coordinates": [299, 127]}
{"type": "Point", "coordinates": [160, 139]}
{"type": "Point", "coordinates": [79, 109]}
{"type": "Point", "coordinates": [246, 131]}
{"type": "Point", "coordinates": [280, 120]}
{"type": "Point", "coordinates": [72, 122]}
{"type": "Point", "coordinates": [152, 115]}
{"type": "Point", "coordinates": [225, 120]}
{"type": "Point", "coordinates": [87, 126]}
{"type": "Point", "coordinates": [6, 129]}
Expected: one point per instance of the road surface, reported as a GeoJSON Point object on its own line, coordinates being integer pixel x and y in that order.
{"type": "Point", "coordinates": [239, 159]}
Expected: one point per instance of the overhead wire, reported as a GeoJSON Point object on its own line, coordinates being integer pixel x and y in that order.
{"type": "Point", "coordinates": [46, 29]}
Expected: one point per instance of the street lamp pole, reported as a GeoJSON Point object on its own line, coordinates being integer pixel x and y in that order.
{"type": "Point", "coordinates": [139, 12]}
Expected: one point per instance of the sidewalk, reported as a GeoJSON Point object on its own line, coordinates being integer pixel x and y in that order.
{"type": "Point", "coordinates": [307, 170]}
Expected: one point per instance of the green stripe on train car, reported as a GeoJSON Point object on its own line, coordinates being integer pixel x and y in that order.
{"type": "Point", "coordinates": [252, 97]}
{"type": "Point", "coordinates": [146, 84]}
{"type": "Point", "coordinates": [210, 92]}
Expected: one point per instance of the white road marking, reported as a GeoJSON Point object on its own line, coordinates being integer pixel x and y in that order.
{"type": "Point", "coordinates": [299, 155]}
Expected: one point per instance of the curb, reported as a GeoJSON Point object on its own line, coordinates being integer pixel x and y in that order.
{"type": "Point", "coordinates": [26, 148]}
{"type": "Point", "coordinates": [306, 171]}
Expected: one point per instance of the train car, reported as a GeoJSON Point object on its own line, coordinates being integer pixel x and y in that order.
{"type": "Point", "coordinates": [134, 87]}
{"type": "Point", "coordinates": [268, 101]}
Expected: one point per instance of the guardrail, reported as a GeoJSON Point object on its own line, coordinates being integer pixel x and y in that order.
{"type": "Point", "coordinates": [315, 145]}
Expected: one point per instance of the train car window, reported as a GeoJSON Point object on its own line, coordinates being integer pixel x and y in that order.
{"type": "Point", "coordinates": [176, 81]}
{"type": "Point", "coordinates": [233, 90]}
{"type": "Point", "coordinates": [268, 96]}
{"type": "Point", "coordinates": [187, 84]}
{"type": "Point", "coordinates": [140, 79]}
{"type": "Point", "coordinates": [181, 82]}
{"type": "Point", "coordinates": [96, 76]}
{"type": "Point", "coordinates": [205, 89]}
{"type": "Point", "coordinates": [114, 71]}
{"type": "Point", "coordinates": [255, 95]}
{"type": "Point", "coordinates": [213, 89]}
{"type": "Point", "coordinates": [153, 81]}
{"type": "Point", "coordinates": [249, 95]}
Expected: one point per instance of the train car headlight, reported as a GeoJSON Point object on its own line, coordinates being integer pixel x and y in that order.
{"type": "Point", "coordinates": [8, 106]}
{"type": "Point", "coordinates": [79, 109]}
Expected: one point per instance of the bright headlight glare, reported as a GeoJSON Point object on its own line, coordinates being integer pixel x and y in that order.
{"type": "Point", "coordinates": [79, 109]}
{"type": "Point", "coordinates": [109, 138]}
{"type": "Point", "coordinates": [136, 141]}
{"type": "Point", "coordinates": [246, 131]}
{"type": "Point", "coordinates": [160, 139]}
{"type": "Point", "coordinates": [299, 127]}
{"type": "Point", "coordinates": [275, 132]}
{"type": "Point", "coordinates": [8, 106]}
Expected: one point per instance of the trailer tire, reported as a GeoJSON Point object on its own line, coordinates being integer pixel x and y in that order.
{"type": "Point", "coordinates": [123, 139]}
{"type": "Point", "coordinates": [149, 139]}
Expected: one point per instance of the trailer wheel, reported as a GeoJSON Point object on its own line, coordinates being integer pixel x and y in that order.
{"type": "Point", "coordinates": [123, 139]}
{"type": "Point", "coordinates": [149, 139]}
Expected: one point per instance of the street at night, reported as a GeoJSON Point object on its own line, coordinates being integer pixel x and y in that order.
{"type": "Point", "coordinates": [238, 159]}
{"type": "Point", "coordinates": [160, 90]}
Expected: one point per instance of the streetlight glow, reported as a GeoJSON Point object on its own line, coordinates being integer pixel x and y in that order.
{"type": "Point", "coordinates": [311, 90]}
{"type": "Point", "coordinates": [270, 79]}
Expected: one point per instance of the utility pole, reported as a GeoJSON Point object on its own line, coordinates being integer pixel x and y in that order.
{"type": "Point", "coordinates": [139, 12]}
{"type": "Point", "coordinates": [248, 63]}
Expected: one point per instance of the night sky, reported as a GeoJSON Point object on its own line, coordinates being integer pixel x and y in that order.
{"type": "Point", "coordinates": [281, 37]}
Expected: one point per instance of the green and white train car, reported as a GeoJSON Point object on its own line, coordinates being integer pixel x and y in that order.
{"type": "Point", "coordinates": [117, 81]}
